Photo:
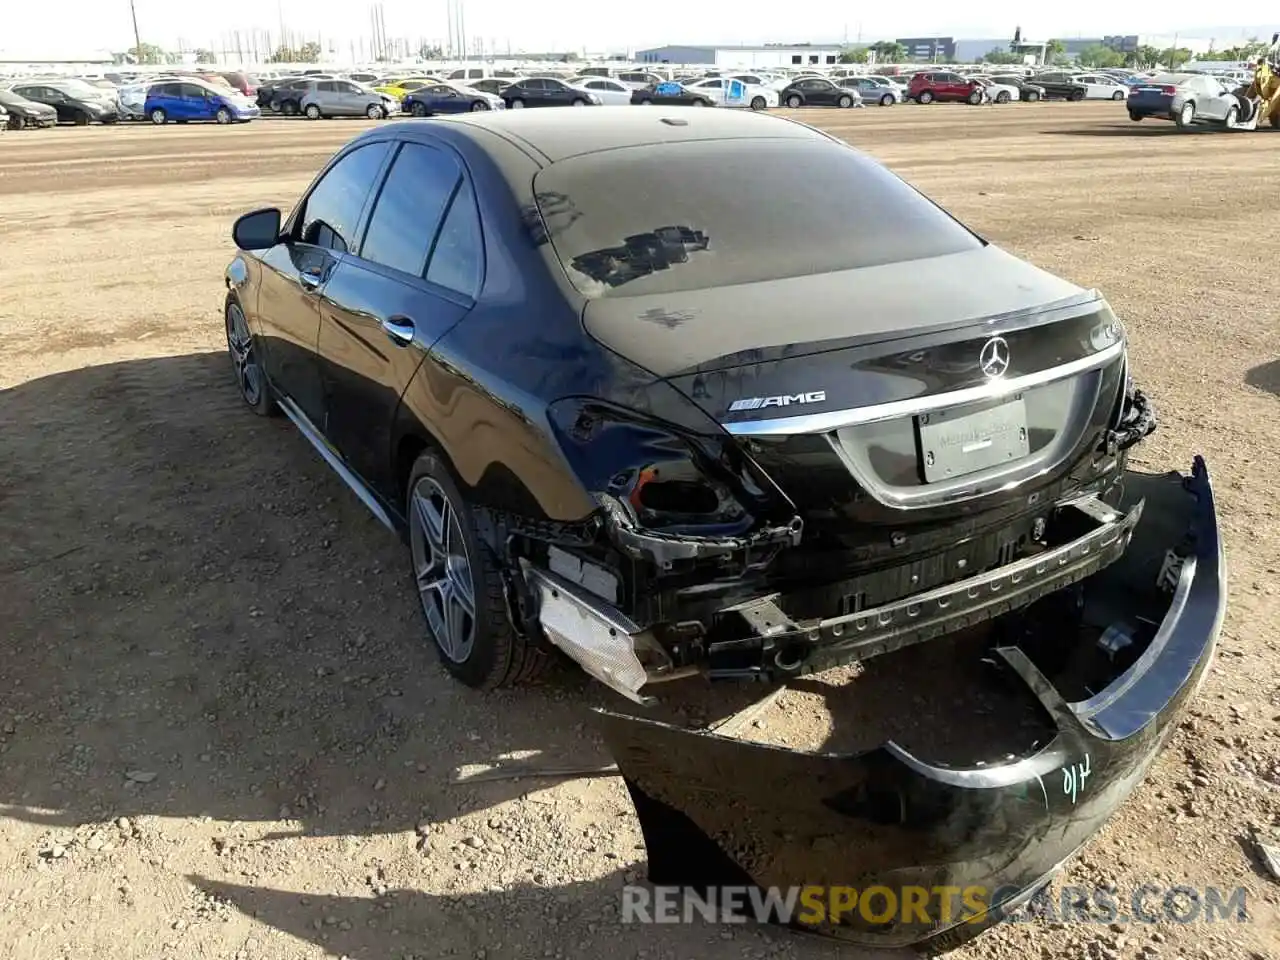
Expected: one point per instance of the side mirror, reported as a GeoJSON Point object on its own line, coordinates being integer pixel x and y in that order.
{"type": "Point", "coordinates": [258, 230]}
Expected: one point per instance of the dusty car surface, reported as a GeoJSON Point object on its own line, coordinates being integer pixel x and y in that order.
{"type": "Point", "coordinates": [676, 425]}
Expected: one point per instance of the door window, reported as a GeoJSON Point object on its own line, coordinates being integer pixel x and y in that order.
{"type": "Point", "coordinates": [331, 212]}
{"type": "Point", "coordinates": [457, 262]}
{"type": "Point", "coordinates": [192, 92]}
{"type": "Point", "coordinates": [409, 208]}
{"type": "Point", "coordinates": [327, 86]}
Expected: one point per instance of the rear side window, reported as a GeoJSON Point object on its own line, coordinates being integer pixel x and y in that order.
{"type": "Point", "coordinates": [409, 208]}
{"type": "Point", "coordinates": [458, 259]}
{"type": "Point", "coordinates": [686, 216]}
{"type": "Point", "coordinates": [332, 210]}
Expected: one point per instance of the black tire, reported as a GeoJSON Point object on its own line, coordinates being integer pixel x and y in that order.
{"type": "Point", "coordinates": [159, 117]}
{"type": "Point", "coordinates": [15, 122]}
{"type": "Point", "coordinates": [81, 119]}
{"type": "Point", "coordinates": [479, 106]}
{"type": "Point", "coordinates": [975, 98]}
{"type": "Point", "coordinates": [794, 101]}
{"type": "Point", "coordinates": [313, 112]}
{"type": "Point", "coordinates": [289, 108]}
{"type": "Point", "coordinates": [1135, 116]}
{"type": "Point", "coordinates": [578, 102]}
{"type": "Point", "coordinates": [1233, 117]}
{"type": "Point", "coordinates": [644, 102]}
{"type": "Point", "coordinates": [1033, 96]}
{"type": "Point", "coordinates": [419, 109]}
{"type": "Point", "coordinates": [699, 103]}
{"type": "Point", "coordinates": [223, 116]}
{"type": "Point", "coordinates": [845, 101]}
{"type": "Point", "coordinates": [924, 96]}
{"type": "Point", "coordinates": [1003, 97]}
{"type": "Point", "coordinates": [498, 656]}
{"type": "Point", "coordinates": [887, 100]}
{"type": "Point", "coordinates": [759, 103]}
{"type": "Point", "coordinates": [375, 111]}
{"type": "Point", "coordinates": [1075, 96]}
{"type": "Point", "coordinates": [516, 103]}
{"type": "Point", "coordinates": [1185, 118]}
{"type": "Point", "coordinates": [251, 378]}
{"type": "Point", "coordinates": [1118, 95]}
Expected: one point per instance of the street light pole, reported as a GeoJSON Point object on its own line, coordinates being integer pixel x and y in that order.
{"type": "Point", "coordinates": [137, 38]}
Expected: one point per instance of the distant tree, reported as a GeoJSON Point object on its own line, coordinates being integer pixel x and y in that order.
{"type": "Point", "coordinates": [1175, 57]}
{"type": "Point", "coordinates": [205, 56]}
{"type": "Point", "coordinates": [149, 53]}
{"type": "Point", "coordinates": [889, 51]}
{"type": "Point", "coordinates": [428, 52]}
{"type": "Point", "coordinates": [309, 52]}
{"type": "Point", "coordinates": [1055, 51]}
{"type": "Point", "coordinates": [284, 54]}
{"type": "Point", "coordinates": [854, 55]}
{"type": "Point", "coordinates": [1096, 55]}
{"type": "Point", "coordinates": [996, 55]}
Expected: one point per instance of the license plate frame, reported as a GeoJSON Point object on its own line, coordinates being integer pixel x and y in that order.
{"type": "Point", "coordinates": [960, 441]}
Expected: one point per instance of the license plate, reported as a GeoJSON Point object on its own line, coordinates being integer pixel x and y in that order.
{"type": "Point", "coordinates": [961, 441]}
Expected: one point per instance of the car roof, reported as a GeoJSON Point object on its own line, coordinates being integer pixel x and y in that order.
{"type": "Point", "coordinates": [560, 134]}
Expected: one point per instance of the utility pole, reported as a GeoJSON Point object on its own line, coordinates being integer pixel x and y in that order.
{"type": "Point", "coordinates": [137, 38]}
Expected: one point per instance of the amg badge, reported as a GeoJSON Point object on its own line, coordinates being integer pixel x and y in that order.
{"type": "Point", "coordinates": [757, 403]}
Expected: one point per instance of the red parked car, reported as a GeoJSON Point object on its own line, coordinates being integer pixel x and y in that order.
{"type": "Point", "coordinates": [943, 85]}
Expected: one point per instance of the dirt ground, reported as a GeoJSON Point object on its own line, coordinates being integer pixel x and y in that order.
{"type": "Point", "coordinates": [221, 733]}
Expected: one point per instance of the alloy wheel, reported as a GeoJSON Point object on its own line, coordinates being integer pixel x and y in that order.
{"type": "Point", "coordinates": [240, 346]}
{"type": "Point", "coordinates": [442, 570]}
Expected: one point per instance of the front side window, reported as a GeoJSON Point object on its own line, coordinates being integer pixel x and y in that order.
{"type": "Point", "coordinates": [331, 213]}
{"type": "Point", "coordinates": [409, 208]}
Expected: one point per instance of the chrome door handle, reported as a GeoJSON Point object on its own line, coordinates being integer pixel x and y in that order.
{"type": "Point", "coordinates": [399, 329]}
{"type": "Point", "coordinates": [310, 279]}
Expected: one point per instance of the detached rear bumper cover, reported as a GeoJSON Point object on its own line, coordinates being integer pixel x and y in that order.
{"type": "Point", "coordinates": [717, 811]}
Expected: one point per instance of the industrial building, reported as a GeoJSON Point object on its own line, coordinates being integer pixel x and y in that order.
{"type": "Point", "coordinates": [929, 49]}
{"type": "Point", "coordinates": [767, 56]}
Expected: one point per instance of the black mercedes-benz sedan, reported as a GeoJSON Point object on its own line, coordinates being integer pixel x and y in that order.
{"type": "Point", "coordinates": [633, 389]}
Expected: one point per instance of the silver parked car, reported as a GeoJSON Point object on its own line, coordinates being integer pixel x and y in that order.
{"type": "Point", "coordinates": [345, 98]}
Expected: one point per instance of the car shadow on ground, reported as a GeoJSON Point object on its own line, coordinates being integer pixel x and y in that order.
{"type": "Point", "coordinates": [1153, 128]}
{"type": "Point", "coordinates": [202, 621]}
{"type": "Point", "coordinates": [1265, 376]}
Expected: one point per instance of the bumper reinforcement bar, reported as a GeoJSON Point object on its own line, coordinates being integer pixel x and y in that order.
{"type": "Point", "coordinates": [782, 648]}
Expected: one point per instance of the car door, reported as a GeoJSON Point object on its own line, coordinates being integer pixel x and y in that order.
{"type": "Point", "coordinates": [445, 99]}
{"type": "Point", "coordinates": [1210, 101]}
{"type": "Point", "coordinates": [196, 103]}
{"type": "Point", "coordinates": [713, 89]}
{"type": "Point", "coordinates": [348, 99]}
{"type": "Point", "coordinates": [416, 276]}
{"type": "Point", "coordinates": [320, 232]}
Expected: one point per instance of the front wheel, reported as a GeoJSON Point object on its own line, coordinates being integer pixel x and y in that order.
{"type": "Point", "coordinates": [886, 100]}
{"type": "Point", "coordinates": [289, 108]}
{"type": "Point", "coordinates": [479, 106]}
{"type": "Point", "coordinates": [794, 102]}
{"type": "Point", "coordinates": [1233, 117]}
{"type": "Point", "coordinates": [1002, 97]}
{"type": "Point", "coordinates": [158, 117]}
{"type": "Point", "coordinates": [975, 98]}
{"type": "Point", "coordinates": [1033, 96]}
{"type": "Point", "coordinates": [1135, 116]}
{"type": "Point", "coordinates": [375, 112]}
{"type": "Point", "coordinates": [1118, 95]}
{"type": "Point", "coordinates": [579, 103]}
{"type": "Point", "coordinates": [1186, 116]}
{"type": "Point", "coordinates": [223, 116]}
{"type": "Point", "coordinates": [758, 103]}
{"type": "Point", "coordinates": [460, 586]}
{"type": "Point", "coordinates": [1075, 96]}
{"type": "Point", "coordinates": [845, 102]}
{"type": "Point", "coordinates": [250, 377]}
{"type": "Point", "coordinates": [517, 104]}
{"type": "Point", "coordinates": [312, 112]}
{"type": "Point", "coordinates": [645, 103]}
{"type": "Point", "coordinates": [924, 96]}
{"type": "Point", "coordinates": [82, 120]}
{"type": "Point", "coordinates": [420, 110]}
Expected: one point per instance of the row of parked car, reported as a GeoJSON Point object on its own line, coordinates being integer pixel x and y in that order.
{"type": "Point", "coordinates": [181, 98]}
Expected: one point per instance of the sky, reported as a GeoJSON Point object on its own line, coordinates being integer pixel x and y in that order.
{"type": "Point", "coordinates": [83, 25]}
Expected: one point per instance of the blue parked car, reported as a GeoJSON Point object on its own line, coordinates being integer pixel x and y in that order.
{"type": "Point", "coordinates": [449, 98]}
{"type": "Point", "coordinates": [183, 100]}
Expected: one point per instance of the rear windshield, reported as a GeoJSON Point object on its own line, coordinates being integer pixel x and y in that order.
{"type": "Point", "coordinates": [693, 215]}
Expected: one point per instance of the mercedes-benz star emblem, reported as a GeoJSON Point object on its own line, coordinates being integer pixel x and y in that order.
{"type": "Point", "coordinates": [994, 358]}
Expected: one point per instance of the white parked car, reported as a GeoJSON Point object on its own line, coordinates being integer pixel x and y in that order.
{"type": "Point", "coordinates": [612, 93]}
{"type": "Point", "coordinates": [728, 92]}
{"type": "Point", "coordinates": [999, 92]}
{"type": "Point", "coordinates": [1100, 87]}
